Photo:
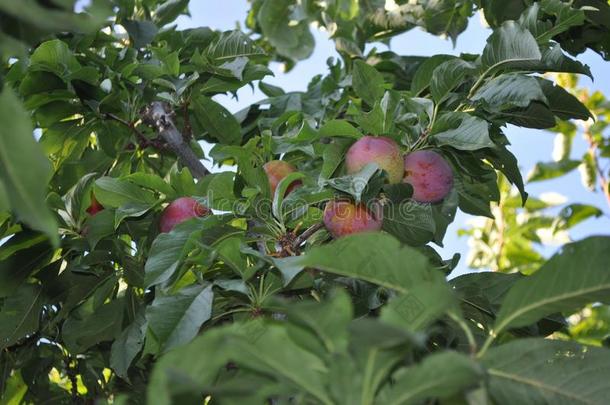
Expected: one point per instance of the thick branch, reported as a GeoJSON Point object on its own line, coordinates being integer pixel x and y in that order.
{"type": "Point", "coordinates": [159, 116]}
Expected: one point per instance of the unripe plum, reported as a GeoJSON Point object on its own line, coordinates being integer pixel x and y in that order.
{"type": "Point", "coordinates": [180, 210]}
{"type": "Point", "coordinates": [95, 206]}
{"type": "Point", "coordinates": [429, 174]}
{"type": "Point", "coordinates": [276, 170]}
{"type": "Point", "coordinates": [381, 150]}
{"type": "Point", "coordinates": [343, 218]}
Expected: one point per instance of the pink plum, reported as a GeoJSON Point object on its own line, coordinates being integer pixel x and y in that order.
{"type": "Point", "coordinates": [429, 174]}
{"type": "Point", "coordinates": [381, 150]}
{"type": "Point", "coordinates": [180, 210]}
{"type": "Point", "coordinates": [276, 170]}
{"type": "Point", "coordinates": [95, 206]}
{"type": "Point", "coordinates": [345, 218]}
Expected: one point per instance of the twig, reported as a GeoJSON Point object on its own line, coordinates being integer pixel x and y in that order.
{"type": "Point", "coordinates": [71, 373]}
{"type": "Point", "coordinates": [142, 140]}
{"type": "Point", "coordinates": [472, 344]}
{"type": "Point", "coordinates": [159, 116]}
{"type": "Point", "coordinates": [593, 147]}
{"type": "Point", "coordinates": [306, 234]}
{"type": "Point", "coordinates": [188, 128]}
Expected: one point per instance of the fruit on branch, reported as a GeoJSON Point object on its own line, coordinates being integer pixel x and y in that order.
{"type": "Point", "coordinates": [429, 174]}
{"type": "Point", "coordinates": [381, 150]}
{"type": "Point", "coordinates": [276, 170]}
{"type": "Point", "coordinates": [345, 218]}
{"type": "Point", "coordinates": [94, 206]}
{"type": "Point", "coordinates": [180, 210]}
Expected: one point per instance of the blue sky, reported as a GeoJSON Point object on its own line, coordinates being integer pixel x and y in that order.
{"type": "Point", "coordinates": [528, 145]}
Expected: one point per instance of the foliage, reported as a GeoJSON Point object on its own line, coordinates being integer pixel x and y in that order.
{"type": "Point", "coordinates": [513, 240]}
{"type": "Point", "coordinates": [256, 302]}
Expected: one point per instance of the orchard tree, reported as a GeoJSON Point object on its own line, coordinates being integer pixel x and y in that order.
{"type": "Point", "coordinates": [303, 270]}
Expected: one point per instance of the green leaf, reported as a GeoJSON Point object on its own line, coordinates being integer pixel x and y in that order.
{"type": "Point", "coordinates": [54, 56]}
{"type": "Point", "coordinates": [510, 46]}
{"type": "Point", "coordinates": [575, 276]}
{"type": "Point", "coordinates": [20, 256]}
{"type": "Point", "coordinates": [292, 40]}
{"type": "Point", "coordinates": [217, 120]}
{"type": "Point", "coordinates": [554, 60]}
{"type": "Point", "coordinates": [509, 91]}
{"type": "Point", "coordinates": [168, 251]}
{"type": "Point", "coordinates": [176, 319]}
{"type": "Point", "coordinates": [233, 44]}
{"type": "Point", "coordinates": [19, 314]}
{"type": "Point", "coordinates": [375, 257]}
{"type": "Point", "coordinates": [82, 331]}
{"type": "Point", "coordinates": [566, 17]}
{"type": "Point", "coordinates": [112, 192]}
{"type": "Point", "coordinates": [339, 128]}
{"type": "Point", "coordinates": [440, 375]}
{"type": "Point", "coordinates": [270, 90]}
{"type": "Point", "coordinates": [367, 82]}
{"type": "Point", "coordinates": [536, 115]}
{"type": "Point", "coordinates": [272, 351]}
{"type": "Point", "coordinates": [141, 33]}
{"type": "Point", "coordinates": [328, 319]}
{"type": "Point", "coordinates": [4, 203]}
{"type": "Point", "coordinates": [447, 76]}
{"type": "Point", "coordinates": [484, 290]}
{"type": "Point", "coordinates": [423, 75]}
{"type": "Point", "coordinates": [152, 182]}
{"type": "Point", "coordinates": [409, 221]}
{"type": "Point", "coordinates": [537, 371]}
{"type": "Point", "coordinates": [573, 214]}
{"type": "Point", "coordinates": [563, 104]}
{"type": "Point", "coordinates": [551, 170]}
{"type": "Point", "coordinates": [461, 131]}
{"type": "Point", "coordinates": [129, 210]}
{"type": "Point", "coordinates": [417, 309]}
{"type": "Point", "coordinates": [127, 345]}
{"type": "Point", "coordinates": [356, 184]}
{"type": "Point", "coordinates": [280, 192]}
{"type": "Point", "coordinates": [24, 169]}
{"type": "Point", "coordinates": [99, 226]}
{"type": "Point", "coordinates": [503, 160]}
{"type": "Point", "coordinates": [388, 111]}
{"type": "Point", "coordinates": [197, 363]}
{"type": "Point", "coordinates": [169, 10]}
{"type": "Point", "coordinates": [477, 185]}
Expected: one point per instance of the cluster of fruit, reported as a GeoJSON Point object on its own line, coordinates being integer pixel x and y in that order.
{"type": "Point", "coordinates": [426, 171]}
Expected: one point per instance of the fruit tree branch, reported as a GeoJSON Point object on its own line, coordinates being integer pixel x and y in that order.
{"type": "Point", "coordinates": [160, 116]}
{"type": "Point", "coordinates": [593, 148]}
{"type": "Point", "coordinates": [306, 234]}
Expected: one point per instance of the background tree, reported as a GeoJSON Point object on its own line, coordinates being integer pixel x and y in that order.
{"type": "Point", "coordinates": [131, 273]}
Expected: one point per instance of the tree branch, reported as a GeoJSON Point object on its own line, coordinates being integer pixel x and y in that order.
{"type": "Point", "coordinates": [306, 234]}
{"type": "Point", "coordinates": [593, 148]}
{"type": "Point", "coordinates": [159, 116]}
{"type": "Point", "coordinates": [143, 141]}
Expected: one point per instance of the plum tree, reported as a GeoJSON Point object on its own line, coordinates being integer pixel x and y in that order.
{"type": "Point", "coordinates": [276, 170]}
{"type": "Point", "coordinates": [180, 210]}
{"type": "Point", "coordinates": [121, 99]}
{"type": "Point", "coordinates": [381, 150]}
{"type": "Point", "coordinates": [343, 218]}
{"type": "Point", "coordinates": [94, 206]}
{"type": "Point", "coordinates": [429, 174]}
